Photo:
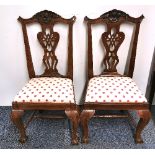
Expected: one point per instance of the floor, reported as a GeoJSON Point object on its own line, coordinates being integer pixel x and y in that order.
{"type": "Point", "coordinates": [49, 134]}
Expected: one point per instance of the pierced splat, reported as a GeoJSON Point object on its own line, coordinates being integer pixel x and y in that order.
{"type": "Point", "coordinates": [113, 19]}
{"type": "Point", "coordinates": [49, 42]}
{"type": "Point", "coordinates": [112, 41]}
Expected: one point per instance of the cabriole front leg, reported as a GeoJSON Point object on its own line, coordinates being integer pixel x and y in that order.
{"type": "Point", "coordinates": [16, 117]}
{"type": "Point", "coordinates": [73, 115]}
{"type": "Point", "coordinates": [145, 116]}
{"type": "Point", "coordinates": [85, 117]}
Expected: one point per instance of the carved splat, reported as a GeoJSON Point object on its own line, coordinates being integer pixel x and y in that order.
{"type": "Point", "coordinates": [113, 19]}
{"type": "Point", "coordinates": [49, 42]}
{"type": "Point", "coordinates": [112, 41]}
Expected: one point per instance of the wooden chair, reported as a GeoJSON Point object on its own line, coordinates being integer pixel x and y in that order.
{"type": "Point", "coordinates": [51, 90]}
{"type": "Point", "coordinates": [111, 90]}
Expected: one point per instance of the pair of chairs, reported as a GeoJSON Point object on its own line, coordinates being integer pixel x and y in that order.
{"type": "Point", "coordinates": [107, 91]}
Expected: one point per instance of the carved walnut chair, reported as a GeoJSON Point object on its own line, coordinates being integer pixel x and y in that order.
{"type": "Point", "coordinates": [111, 90]}
{"type": "Point", "coordinates": [51, 90]}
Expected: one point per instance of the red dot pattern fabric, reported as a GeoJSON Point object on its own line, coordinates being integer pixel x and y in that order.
{"type": "Point", "coordinates": [113, 89]}
{"type": "Point", "coordinates": [57, 90]}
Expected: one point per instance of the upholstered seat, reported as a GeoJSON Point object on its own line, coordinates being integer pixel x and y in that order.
{"type": "Point", "coordinates": [113, 89]}
{"type": "Point", "coordinates": [57, 90]}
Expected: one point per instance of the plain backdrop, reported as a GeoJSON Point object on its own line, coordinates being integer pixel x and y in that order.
{"type": "Point", "coordinates": [13, 70]}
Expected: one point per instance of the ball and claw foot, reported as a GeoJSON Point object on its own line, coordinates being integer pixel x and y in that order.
{"type": "Point", "coordinates": [75, 140]}
{"type": "Point", "coordinates": [138, 140]}
{"type": "Point", "coordinates": [23, 140]}
{"type": "Point", "coordinates": [85, 140]}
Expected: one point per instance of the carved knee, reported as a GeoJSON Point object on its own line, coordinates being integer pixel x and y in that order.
{"type": "Point", "coordinates": [145, 116]}
{"type": "Point", "coordinates": [73, 115]}
{"type": "Point", "coordinates": [85, 117]}
{"type": "Point", "coordinates": [17, 120]}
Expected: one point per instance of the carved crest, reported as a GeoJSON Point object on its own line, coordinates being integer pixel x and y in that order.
{"type": "Point", "coordinates": [114, 15]}
{"type": "Point", "coordinates": [46, 17]}
{"type": "Point", "coordinates": [112, 42]}
{"type": "Point", "coordinates": [49, 43]}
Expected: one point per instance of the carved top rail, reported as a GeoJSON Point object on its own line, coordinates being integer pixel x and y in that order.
{"type": "Point", "coordinates": [112, 40]}
{"type": "Point", "coordinates": [48, 41]}
{"type": "Point", "coordinates": [114, 16]}
{"type": "Point", "coordinates": [47, 17]}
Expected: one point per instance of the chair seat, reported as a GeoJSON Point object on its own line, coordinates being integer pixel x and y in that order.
{"type": "Point", "coordinates": [113, 90]}
{"type": "Point", "coordinates": [57, 90]}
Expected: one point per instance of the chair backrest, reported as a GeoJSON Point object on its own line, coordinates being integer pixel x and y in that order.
{"type": "Point", "coordinates": [48, 41]}
{"type": "Point", "coordinates": [112, 40]}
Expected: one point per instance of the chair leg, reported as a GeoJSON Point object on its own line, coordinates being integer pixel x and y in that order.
{"type": "Point", "coordinates": [17, 120]}
{"type": "Point", "coordinates": [85, 117]}
{"type": "Point", "coordinates": [145, 116]}
{"type": "Point", "coordinates": [73, 115]}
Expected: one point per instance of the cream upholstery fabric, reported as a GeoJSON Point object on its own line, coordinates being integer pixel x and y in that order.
{"type": "Point", "coordinates": [57, 90]}
{"type": "Point", "coordinates": [113, 89]}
